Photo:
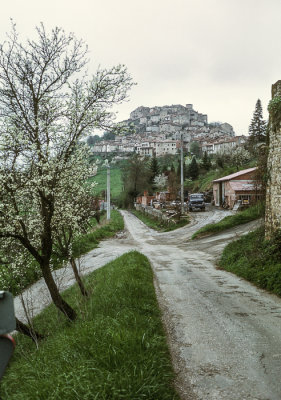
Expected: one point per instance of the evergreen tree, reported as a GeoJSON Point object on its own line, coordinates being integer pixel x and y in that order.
{"type": "Point", "coordinates": [206, 162]}
{"type": "Point", "coordinates": [193, 170]}
{"type": "Point", "coordinates": [257, 128]}
{"type": "Point", "coordinates": [154, 168]}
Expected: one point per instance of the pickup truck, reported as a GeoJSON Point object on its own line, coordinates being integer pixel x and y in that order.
{"type": "Point", "coordinates": [196, 200]}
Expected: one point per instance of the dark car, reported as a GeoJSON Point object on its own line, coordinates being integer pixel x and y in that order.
{"type": "Point", "coordinates": [196, 201]}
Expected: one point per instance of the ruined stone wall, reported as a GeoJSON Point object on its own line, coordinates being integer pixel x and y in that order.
{"type": "Point", "coordinates": [273, 190]}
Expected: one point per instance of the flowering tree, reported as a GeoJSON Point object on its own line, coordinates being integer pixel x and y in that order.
{"type": "Point", "coordinates": [47, 104]}
{"type": "Point", "coordinates": [75, 207]}
{"type": "Point", "coordinates": [236, 156]}
{"type": "Point", "coordinates": [240, 156]}
{"type": "Point", "coordinates": [161, 181]}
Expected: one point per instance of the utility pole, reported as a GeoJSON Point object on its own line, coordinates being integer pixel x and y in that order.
{"type": "Point", "coordinates": [108, 192]}
{"type": "Point", "coordinates": [182, 191]}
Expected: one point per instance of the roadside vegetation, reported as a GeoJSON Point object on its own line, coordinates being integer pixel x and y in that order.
{"type": "Point", "coordinates": [82, 244]}
{"type": "Point", "coordinates": [160, 225]}
{"type": "Point", "coordinates": [255, 259]}
{"type": "Point", "coordinates": [116, 348]}
{"type": "Point", "coordinates": [241, 217]}
{"type": "Point", "coordinates": [104, 230]}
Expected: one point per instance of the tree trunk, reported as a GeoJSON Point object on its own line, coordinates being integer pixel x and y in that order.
{"type": "Point", "coordinates": [26, 330]}
{"type": "Point", "coordinates": [59, 302]}
{"type": "Point", "coordinates": [78, 278]}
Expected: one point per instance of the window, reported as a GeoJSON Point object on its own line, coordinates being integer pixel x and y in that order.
{"type": "Point", "coordinates": [245, 198]}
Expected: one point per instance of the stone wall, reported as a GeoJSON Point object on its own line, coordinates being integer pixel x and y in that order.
{"type": "Point", "coordinates": [273, 190]}
{"type": "Point", "coordinates": [155, 213]}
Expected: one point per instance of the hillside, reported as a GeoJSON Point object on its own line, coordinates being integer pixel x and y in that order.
{"type": "Point", "coordinates": [115, 181]}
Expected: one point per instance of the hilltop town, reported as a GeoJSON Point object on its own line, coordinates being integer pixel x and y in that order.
{"type": "Point", "coordinates": [158, 130]}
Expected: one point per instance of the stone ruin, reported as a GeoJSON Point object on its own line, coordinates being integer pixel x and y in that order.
{"type": "Point", "coordinates": [273, 190]}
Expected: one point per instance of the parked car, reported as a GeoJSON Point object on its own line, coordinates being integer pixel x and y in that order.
{"type": "Point", "coordinates": [196, 201]}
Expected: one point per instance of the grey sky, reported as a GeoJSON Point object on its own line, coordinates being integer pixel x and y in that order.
{"type": "Point", "coordinates": [219, 55]}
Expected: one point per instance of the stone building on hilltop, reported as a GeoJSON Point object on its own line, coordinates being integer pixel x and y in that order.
{"type": "Point", "coordinates": [144, 117]}
{"type": "Point", "coordinates": [158, 130]}
{"type": "Point", "coordinates": [175, 120]}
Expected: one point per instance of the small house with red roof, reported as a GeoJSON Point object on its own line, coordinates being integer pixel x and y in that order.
{"type": "Point", "coordinates": [241, 187]}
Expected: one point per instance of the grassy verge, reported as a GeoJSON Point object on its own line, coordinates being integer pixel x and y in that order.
{"type": "Point", "coordinates": [255, 259]}
{"type": "Point", "coordinates": [105, 230]}
{"type": "Point", "coordinates": [116, 349]}
{"type": "Point", "coordinates": [241, 217]}
{"type": "Point", "coordinates": [83, 244]}
{"type": "Point", "coordinates": [158, 225]}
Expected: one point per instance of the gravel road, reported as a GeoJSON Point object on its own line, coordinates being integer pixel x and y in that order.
{"type": "Point", "coordinates": [224, 333]}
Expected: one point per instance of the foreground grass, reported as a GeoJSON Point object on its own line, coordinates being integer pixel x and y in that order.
{"type": "Point", "coordinates": [241, 217]}
{"type": "Point", "coordinates": [255, 259]}
{"type": "Point", "coordinates": [158, 225]}
{"type": "Point", "coordinates": [116, 349]}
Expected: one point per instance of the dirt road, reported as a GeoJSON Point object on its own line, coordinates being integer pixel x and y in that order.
{"type": "Point", "coordinates": [224, 333]}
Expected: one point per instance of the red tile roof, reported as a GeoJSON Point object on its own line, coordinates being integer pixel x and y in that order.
{"type": "Point", "coordinates": [235, 175]}
{"type": "Point", "coordinates": [247, 186]}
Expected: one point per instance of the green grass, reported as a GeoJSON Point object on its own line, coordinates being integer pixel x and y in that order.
{"type": "Point", "coordinates": [255, 259]}
{"type": "Point", "coordinates": [205, 181]}
{"type": "Point", "coordinates": [107, 229]}
{"type": "Point", "coordinates": [158, 225]}
{"type": "Point", "coordinates": [241, 217]}
{"type": "Point", "coordinates": [82, 245]}
{"type": "Point", "coordinates": [116, 184]}
{"type": "Point", "coordinates": [116, 349]}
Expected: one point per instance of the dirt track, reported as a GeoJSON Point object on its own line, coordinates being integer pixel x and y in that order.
{"type": "Point", "coordinates": [224, 333]}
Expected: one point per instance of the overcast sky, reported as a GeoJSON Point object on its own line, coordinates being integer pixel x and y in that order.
{"type": "Point", "coordinates": [219, 55]}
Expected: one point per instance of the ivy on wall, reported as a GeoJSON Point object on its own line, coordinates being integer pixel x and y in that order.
{"type": "Point", "coordinates": [274, 109]}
